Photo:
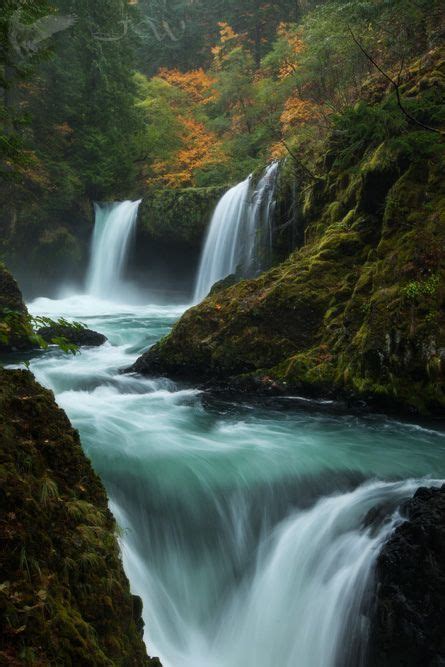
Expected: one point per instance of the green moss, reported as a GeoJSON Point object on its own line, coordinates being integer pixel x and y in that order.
{"type": "Point", "coordinates": [14, 321]}
{"type": "Point", "coordinates": [360, 308]}
{"type": "Point", "coordinates": [180, 215]}
{"type": "Point", "coordinates": [64, 598]}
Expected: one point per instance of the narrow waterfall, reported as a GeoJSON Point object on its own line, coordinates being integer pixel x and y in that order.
{"type": "Point", "coordinates": [258, 240]}
{"type": "Point", "coordinates": [113, 229]}
{"type": "Point", "coordinates": [239, 239]}
{"type": "Point", "coordinates": [221, 255]}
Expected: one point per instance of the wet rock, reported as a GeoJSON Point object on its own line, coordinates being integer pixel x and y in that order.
{"type": "Point", "coordinates": [228, 281]}
{"type": "Point", "coordinates": [76, 335]}
{"type": "Point", "coordinates": [14, 319]}
{"type": "Point", "coordinates": [408, 626]}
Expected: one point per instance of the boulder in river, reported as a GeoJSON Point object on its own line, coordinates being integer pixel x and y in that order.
{"type": "Point", "coordinates": [408, 626]}
{"type": "Point", "coordinates": [73, 334]}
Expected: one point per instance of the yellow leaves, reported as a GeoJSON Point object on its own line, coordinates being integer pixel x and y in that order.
{"type": "Point", "coordinates": [296, 112]}
{"type": "Point", "coordinates": [197, 84]}
{"type": "Point", "coordinates": [200, 148]}
{"type": "Point", "coordinates": [295, 46]}
{"type": "Point", "coordinates": [226, 32]}
{"type": "Point", "coordinates": [277, 151]}
{"type": "Point", "coordinates": [228, 41]}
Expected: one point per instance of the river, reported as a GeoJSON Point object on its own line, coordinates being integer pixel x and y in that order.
{"type": "Point", "coordinates": [248, 529]}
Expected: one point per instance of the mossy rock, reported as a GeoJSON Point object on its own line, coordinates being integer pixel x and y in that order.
{"type": "Point", "coordinates": [14, 319]}
{"type": "Point", "coordinates": [64, 597]}
{"type": "Point", "coordinates": [178, 215]}
{"type": "Point", "coordinates": [360, 308]}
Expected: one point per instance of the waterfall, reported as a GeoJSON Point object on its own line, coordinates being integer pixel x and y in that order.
{"type": "Point", "coordinates": [251, 531]}
{"type": "Point", "coordinates": [113, 229]}
{"type": "Point", "coordinates": [239, 239]}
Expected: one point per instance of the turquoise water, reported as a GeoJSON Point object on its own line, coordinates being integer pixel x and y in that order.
{"type": "Point", "coordinates": [245, 526]}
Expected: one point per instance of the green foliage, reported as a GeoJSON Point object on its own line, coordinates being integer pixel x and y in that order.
{"type": "Point", "coordinates": [14, 325]}
{"type": "Point", "coordinates": [361, 127]}
{"type": "Point", "coordinates": [420, 290]}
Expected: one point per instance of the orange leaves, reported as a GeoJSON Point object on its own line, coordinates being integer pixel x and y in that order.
{"type": "Point", "coordinates": [228, 41]}
{"type": "Point", "coordinates": [295, 46]}
{"type": "Point", "coordinates": [197, 84]}
{"type": "Point", "coordinates": [226, 32]}
{"type": "Point", "coordinates": [201, 149]}
{"type": "Point", "coordinates": [277, 151]}
{"type": "Point", "coordinates": [288, 32]}
{"type": "Point", "coordinates": [296, 112]}
{"type": "Point", "coordinates": [194, 147]}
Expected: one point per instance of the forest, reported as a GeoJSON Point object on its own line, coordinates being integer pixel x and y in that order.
{"type": "Point", "coordinates": [222, 333]}
{"type": "Point", "coordinates": [114, 98]}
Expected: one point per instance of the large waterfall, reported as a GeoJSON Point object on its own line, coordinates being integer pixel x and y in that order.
{"type": "Point", "coordinates": [240, 234]}
{"type": "Point", "coordinates": [114, 225]}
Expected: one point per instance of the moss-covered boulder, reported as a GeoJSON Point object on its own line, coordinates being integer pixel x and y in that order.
{"type": "Point", "coordinates": [75, 334]}
{"type": "Point", "coordinates": [64, 597]}
{"type": "Point", "coordinates": [14, 318]}
{"type": "Point", "coordinates": [360, 309]}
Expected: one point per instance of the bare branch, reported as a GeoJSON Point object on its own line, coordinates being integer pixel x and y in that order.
{"type": "Point", "coordinates": [396, 86]}
{"type": "Point", "coordinates": [299, 162]}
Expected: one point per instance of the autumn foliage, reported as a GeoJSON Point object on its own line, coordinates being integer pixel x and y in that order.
{"type": "Point", "coordinates": [231, 115]}
{"type": "Point", "coordinates": [198, 85]}
{"type": "Point", "coordinates": [200, 149]}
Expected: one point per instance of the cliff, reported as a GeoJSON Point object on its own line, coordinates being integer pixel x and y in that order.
{"type": "Point", "coordinates": [359, 309]}
{"type": "Point", "coordinates": [64, 598]}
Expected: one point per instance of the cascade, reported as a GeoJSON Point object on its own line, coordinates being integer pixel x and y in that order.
{"type": "Point", "coordinates": [250, 532]}
{"type": "Point", "coordinates": [239, 239]}
{"type": "Point", "coordinates": [113, 229]}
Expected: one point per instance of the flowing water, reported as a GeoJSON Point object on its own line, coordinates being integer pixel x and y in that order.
{"type": "Point", "coordinates": [239, 239]}
{"type": "Point", "coordinates": [249, 530]}
{"type": "Point", "coordinates": [113, 230]}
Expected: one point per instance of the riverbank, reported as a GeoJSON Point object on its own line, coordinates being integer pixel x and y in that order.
{"type": "Point", "coordinates": [64, 598]}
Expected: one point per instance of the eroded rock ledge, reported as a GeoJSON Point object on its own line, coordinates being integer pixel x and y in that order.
{"type": "Point", "coordinates": [64, 597]}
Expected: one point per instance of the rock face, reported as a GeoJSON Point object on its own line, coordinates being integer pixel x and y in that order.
{"type": "Point", "coordinates": [77, 335]}
{"type": "Point", "coordinates": [64, 598]}
{"type": "Point", "coordinates": [408, 627]}
{"type": "Point", "coordinates": [359, 310]}
{"type": "Point", "coordinates": [14, 324]}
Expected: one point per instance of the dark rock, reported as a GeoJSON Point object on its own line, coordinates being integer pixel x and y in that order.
{"type": "Point", "coordinates": [76, 335]}
{"type": "Point", "coordinates": [14, 318]}
{"type": "Point", "coordinates": [137, 614]}
{"type": "Point", "coordinates": [408, 625]}
{"type": "Point", "coordinates": [228, 281]}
